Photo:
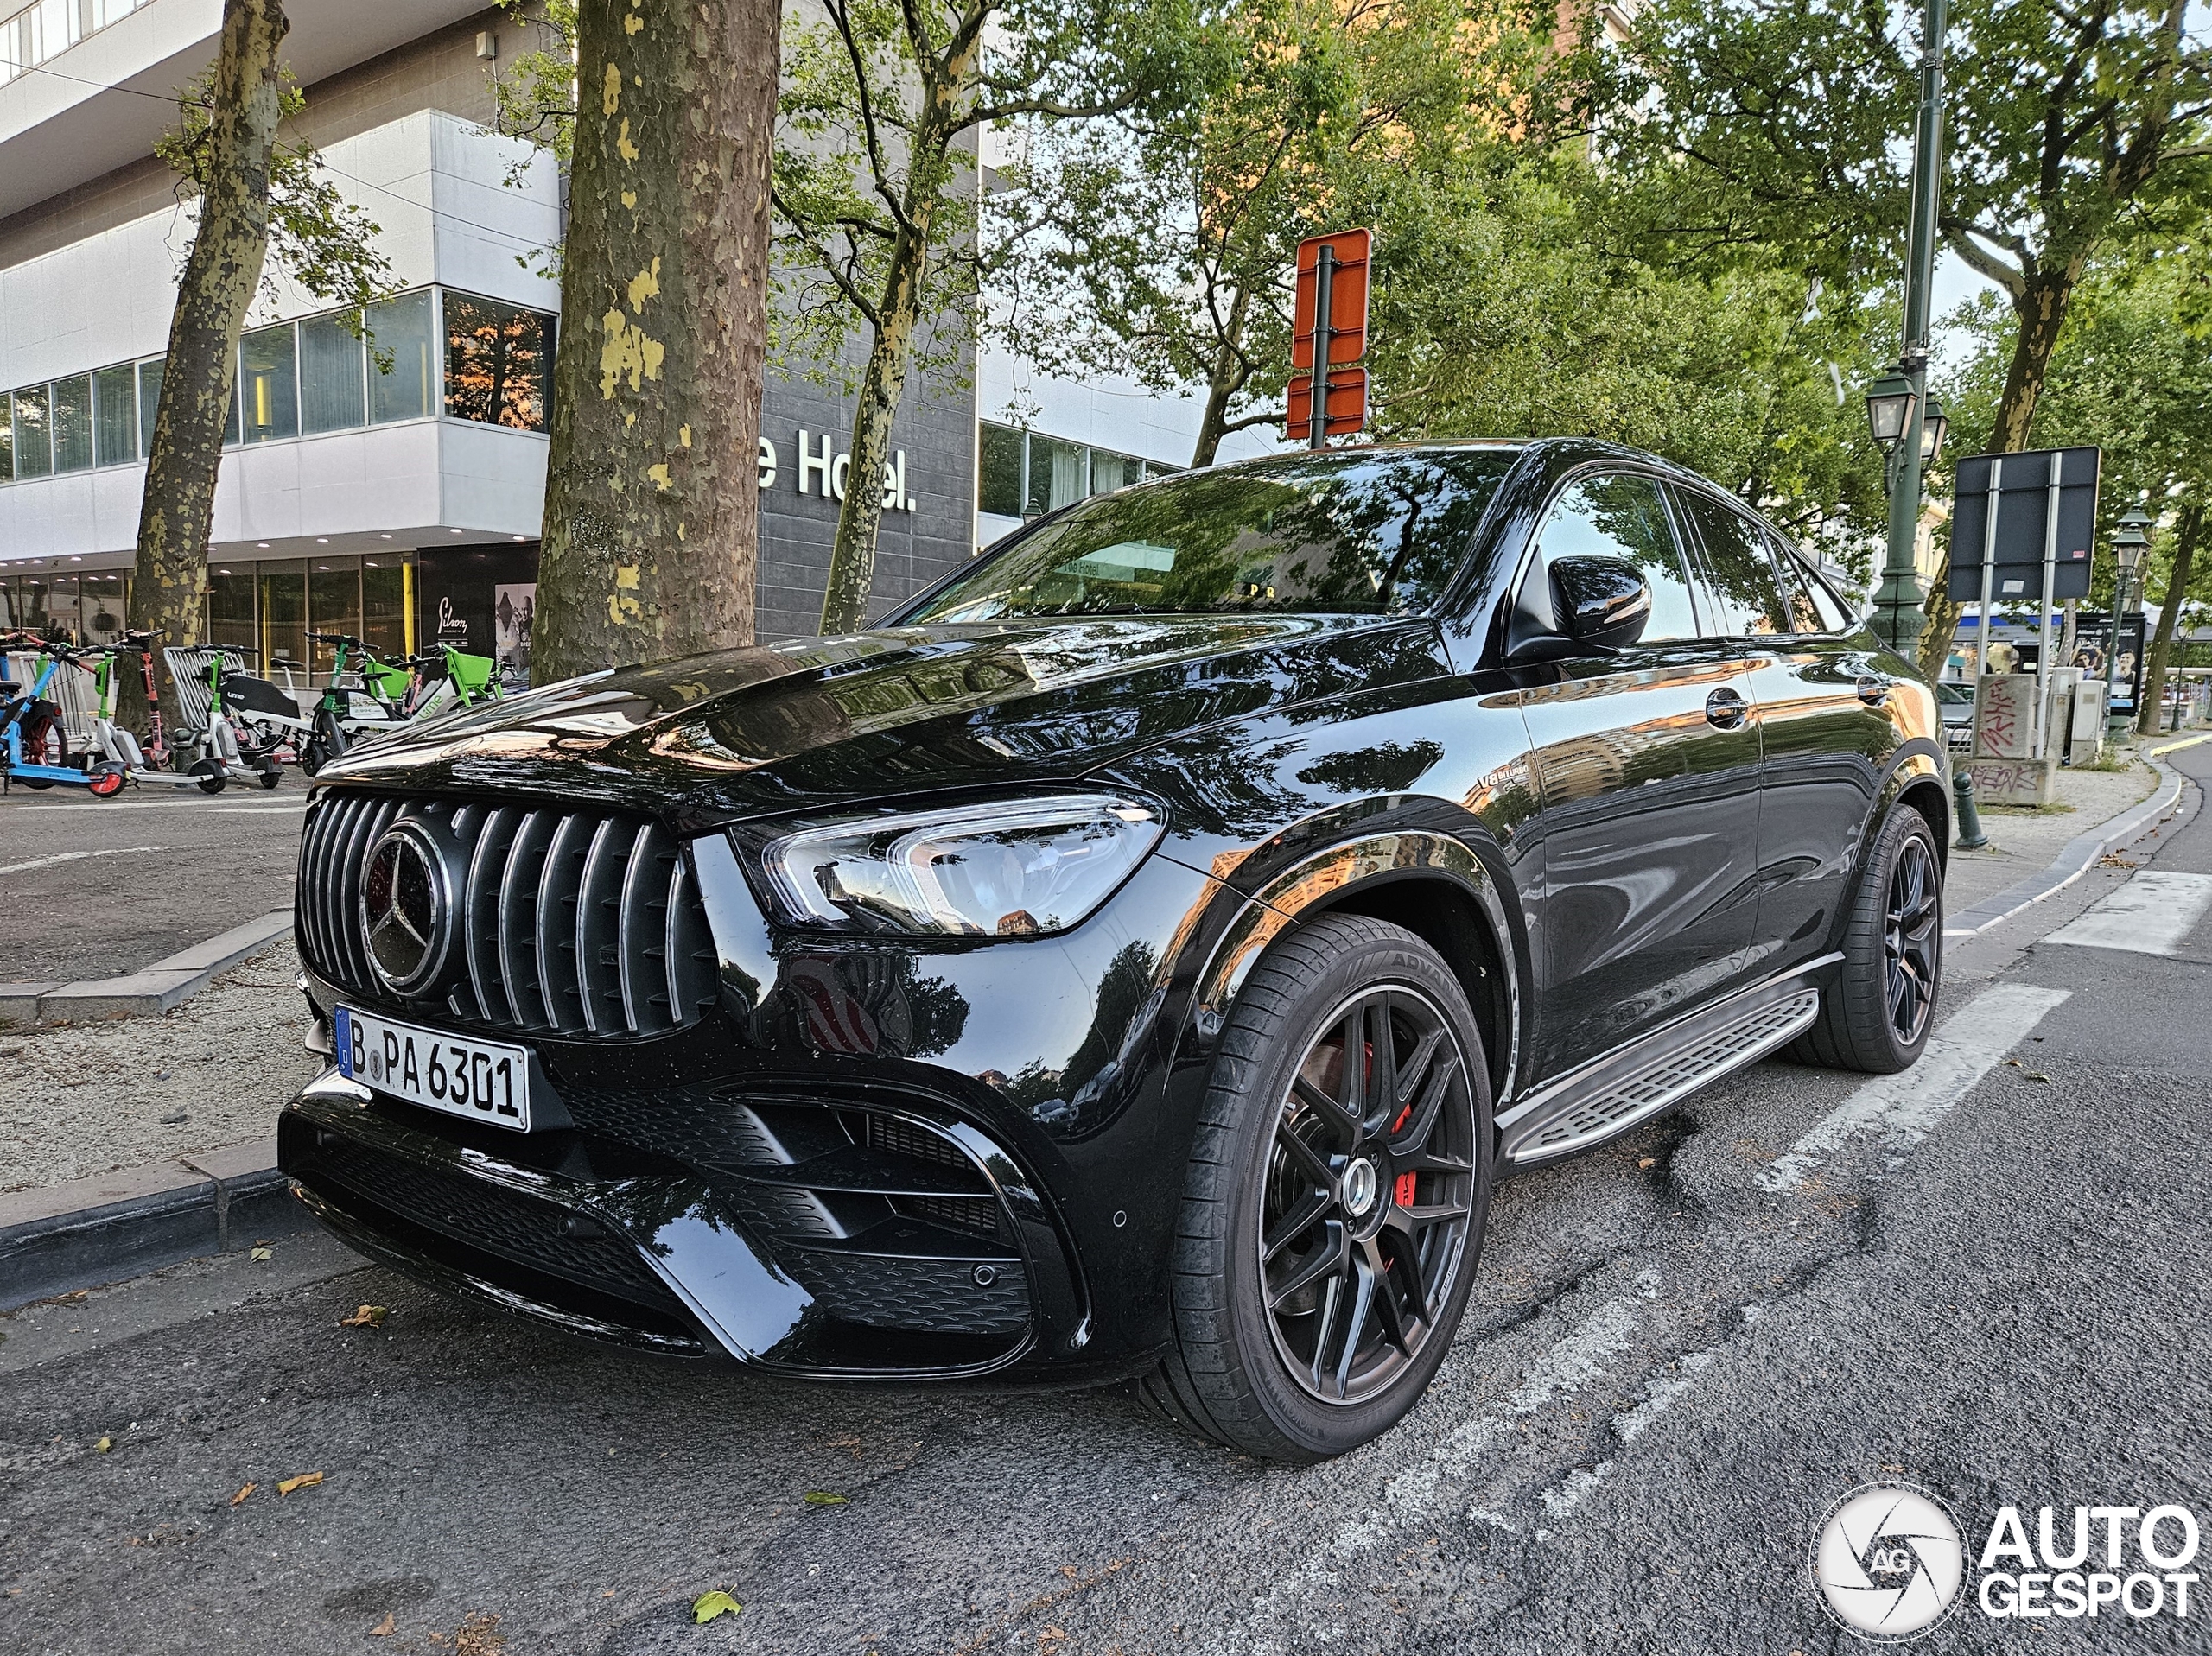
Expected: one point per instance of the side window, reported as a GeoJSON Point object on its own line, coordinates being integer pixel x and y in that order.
{"type": "Point", "coordinates": [1816, 605]}
{"type": "Point", "coordinates": [1623, 517]}
{"type": "Point", "coordinates": [1737, 563]}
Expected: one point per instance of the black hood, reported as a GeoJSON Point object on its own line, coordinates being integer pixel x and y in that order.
{"type": "Point", "coordinates": [894, 712]}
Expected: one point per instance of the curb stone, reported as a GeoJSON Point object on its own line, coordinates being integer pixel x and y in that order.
{"type": "Point", "coordinates": [124, 1224]}
{"type": "Point", "coordinates": [165, 984]}
{"type": "Point", "coordinates": [2080, 855]}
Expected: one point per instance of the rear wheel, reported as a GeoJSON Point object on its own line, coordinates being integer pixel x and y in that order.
{"type": "Point", "coordinates": [210, 774]}
{"type": "Point", "coordinates": [106, 783]}
{"type": "Point", "coordinates": [1876, 1017]}
{"type": "Point", "coordinates": [1335, 1199]}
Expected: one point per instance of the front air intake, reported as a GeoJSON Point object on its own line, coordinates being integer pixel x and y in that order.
{"type": "Point", "coordinates": [565, 922]}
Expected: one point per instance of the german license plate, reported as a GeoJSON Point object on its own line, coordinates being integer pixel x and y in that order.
{"type": "Point", "coordinates": [484, 1081]}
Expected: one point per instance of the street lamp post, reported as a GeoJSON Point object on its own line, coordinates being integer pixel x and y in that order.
{"type": "Point", "coordinates": [1897, 616]}
{"type": "Point", "coordinates": [2128, 545]}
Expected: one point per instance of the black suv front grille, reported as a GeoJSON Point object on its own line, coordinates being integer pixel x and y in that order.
{"type": "Point", "coordinates": [569, 923]}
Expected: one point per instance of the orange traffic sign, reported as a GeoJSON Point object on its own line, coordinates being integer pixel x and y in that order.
{"type": "Point", "coordinates": [1344, 412]}
{"type": "Point", "coordinates": [1350, 253]}
{"type": "Point", "coordinates": [1329, 324]}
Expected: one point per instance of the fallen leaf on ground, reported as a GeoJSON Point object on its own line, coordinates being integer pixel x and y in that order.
{"type": "Point", "coordinates": [479, 1636]}
{"type": "Point", "coordinates": [369, 1316]}
{"type": "Point", "coordinates": [243, 1491]}
{"type": "Point", "coordinates": [305, 1481]}
{"type": "Point", "coordinates": [263, 1253]}
{"type": "Point", "coordinates": [107, 1443]}
{"type": "Point", "coordinates": [385, 1628]}
{"type": "Point", "coordinates": [823, 1498]}
{"type": "Point", "coordinates": [707, 1606]}
{"type": "Point", "coordinates": [1648, 1161]}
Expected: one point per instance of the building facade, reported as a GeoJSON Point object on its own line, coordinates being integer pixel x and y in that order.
{"type": "Point", "coordinates": [389, 481]}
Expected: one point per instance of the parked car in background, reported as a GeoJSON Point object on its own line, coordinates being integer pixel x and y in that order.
{"type": "Point", "coordinates": [1140, 955]}
{"type": "Point", "coordinates": [1954, 702]}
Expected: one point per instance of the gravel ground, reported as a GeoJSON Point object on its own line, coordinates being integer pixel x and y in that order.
{"type": "Point", "coordinates": [87, 1098]}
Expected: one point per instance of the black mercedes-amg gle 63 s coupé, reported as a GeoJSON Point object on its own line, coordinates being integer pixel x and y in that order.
{"type": "Point", "coordinates": [1137, 957]}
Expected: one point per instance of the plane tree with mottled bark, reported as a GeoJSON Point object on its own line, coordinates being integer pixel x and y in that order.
{"type": "Point", "coordinates": [651, 531]}
{"type": "Point", "coordinates": [254, 192]}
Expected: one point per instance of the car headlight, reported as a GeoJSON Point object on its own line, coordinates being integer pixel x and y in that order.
{"type": "Point", "coordinates": [1014, 868]}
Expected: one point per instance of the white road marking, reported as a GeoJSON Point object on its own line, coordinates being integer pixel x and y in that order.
{"type": "Point", "coordinates": [1661, 1392]}
{"type": "Point", "coordinates": [2153, 913]}
{"type": "Point", "coordinates": [1905, 1108]}
{"type": "Point", "coordinates": [1580, 1356]}
{"type": "Point", "coordinates": [204, 805]}
{"type": "Point", "coordinates": [78, 856]}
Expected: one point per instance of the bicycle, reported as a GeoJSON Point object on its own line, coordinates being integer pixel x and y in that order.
{"type": "Point", "coordinates": [34, 742]}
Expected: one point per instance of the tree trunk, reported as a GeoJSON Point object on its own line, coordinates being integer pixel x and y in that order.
{"type": "Point", "coordinates": [2154, 672]}
{"type": "Point", "coordinates": [859, 514]}
{"type": "Point", "coordinates": [168, 589]}
{"type": "Point", "coordinates": [652, 486]}
{"type": "Point", "coordinates": [2041, 308]}
{"type": "Point", "coordinates": [1228, 378]}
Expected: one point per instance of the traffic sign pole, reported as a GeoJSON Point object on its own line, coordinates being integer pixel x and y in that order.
{"type": "Point", "coordinates": [1325, 270]}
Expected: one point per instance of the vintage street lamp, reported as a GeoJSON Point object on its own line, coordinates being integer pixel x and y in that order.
{"type": "Point", "coordinates": [2129, 543]}
{"type": "Point", "coordinates": [1934, 428]}
{"type": "Point", "coordinates": [1890, 402]}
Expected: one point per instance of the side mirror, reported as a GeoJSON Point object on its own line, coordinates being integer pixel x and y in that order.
{"type": "Point", "coordinates": [1600, 603]}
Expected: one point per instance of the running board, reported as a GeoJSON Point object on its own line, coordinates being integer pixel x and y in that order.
{"type": "Point", "coordinates": [1616, 1092]}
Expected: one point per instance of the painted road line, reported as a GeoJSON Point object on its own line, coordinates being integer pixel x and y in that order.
{"type": "Point", "coordinates": [78, 856]}
{"type": "Point", "coordinates": [207, 807]}
{"type": "Point", "coordinates": [2152, 914]}
{"type": "Point", "coordinates": [2186, 741]}
{"type": "Point", "coordinates": [1907, 1106]}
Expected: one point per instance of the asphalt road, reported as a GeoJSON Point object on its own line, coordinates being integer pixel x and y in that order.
{"type": "Point", "coordinates": [1990, 1282]}
{"type": "Point", "coordinates": [101, 888]}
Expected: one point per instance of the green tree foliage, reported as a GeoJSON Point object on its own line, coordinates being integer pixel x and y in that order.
{"type": "Point", "coordinates": [875, 186]}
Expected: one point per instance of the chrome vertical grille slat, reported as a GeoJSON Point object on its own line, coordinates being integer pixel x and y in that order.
{"type": "Point", "coordinates": [571, 922]}
{"type": "Point", "coordinates": [557, 935]}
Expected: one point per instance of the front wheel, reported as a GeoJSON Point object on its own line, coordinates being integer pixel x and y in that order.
{"type": "Point", "coordinates": [1876, 1016]}
{"type": "Point", "coordinates": [1335, 1199]}
{"type": "Point", "coordinates": [210, 775]}
{"type": "Point", "coordinates": [106, 783]}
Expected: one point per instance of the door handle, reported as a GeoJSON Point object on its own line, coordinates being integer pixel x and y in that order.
{"type": "Point", "coordinates": [1874, 691]}
{"type": "Point", "coordinates": [1726, 709]}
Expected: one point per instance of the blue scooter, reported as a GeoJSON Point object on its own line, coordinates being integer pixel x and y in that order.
{"type": "Point", "coordinates": [34, 743]}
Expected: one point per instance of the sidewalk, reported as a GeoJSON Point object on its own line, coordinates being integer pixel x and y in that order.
{"type": "Point", "coordinates": [2023, 842]}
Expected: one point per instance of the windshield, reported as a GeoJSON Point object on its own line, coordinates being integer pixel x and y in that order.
{"type": "Point", "coordinates": [1378, 533]}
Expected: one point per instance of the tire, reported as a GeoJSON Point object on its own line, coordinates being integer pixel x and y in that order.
{"type": "Point", "coordinates": [106, 783]}
{"type": "Point", "coordinates": [270, 775]}
{"type": "Point", "coordinates": [1876, 1016]}
{"type": "Point", "coordinates": [210, 774]}
{"type": "Point", "coordinates": [1261, 1361]}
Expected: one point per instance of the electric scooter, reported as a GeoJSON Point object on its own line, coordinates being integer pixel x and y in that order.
{"type": "Point", "coordinates": [116, 746]}
{"type": "Point", "coordinates": [340, 719]}
{"type": "Point", "coordinates": [211, 754]}
{"type": "Point", "coordinates": [34, 744]}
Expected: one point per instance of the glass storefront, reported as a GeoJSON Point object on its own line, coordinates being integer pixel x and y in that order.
{"type": "Point", "coordinates": [1026, 474]}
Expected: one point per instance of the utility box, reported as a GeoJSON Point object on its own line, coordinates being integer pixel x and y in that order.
{"type": "Point", "coordinates": [2086, 735]}
{"type": "Point", "coordinates": [2004, 716]}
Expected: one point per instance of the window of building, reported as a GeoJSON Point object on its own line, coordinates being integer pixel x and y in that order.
{"type": "Point", "coordinates": [498, 358]}
{"type": "Point", "coordinates": [1057, 472]}
{"type": "Point", "coordinates": [284, 614]}
{"type": "Point", "coordinates": [1110, 471]}
{"type": "Point", "coordinates": [333, 604]}
{"type": "Point", "coordinates": [332, 393]}
{"type": "Point", "coordinates": [149, 402]}
{"type": "Point", "coordinates": [998, 470]}
{"type": "Point", "coordinates": [102, 603]}
{"type": "Point", "coordinates": [269, 384]}
{"type": "Point", "coordinates": [231, 618]}
{"type": "Point", "coordinates": [34, 432]}
{"type": "Point", "coordinates": [7, 438]}
{"type": "Point", "coordinates": [73, 423]}
{"type": "Point", "coordinates": [386, 621]}
{"type": "Point", "coordinates": [115, 416]}
{"type": "Point", "coordinates": [401, 383]}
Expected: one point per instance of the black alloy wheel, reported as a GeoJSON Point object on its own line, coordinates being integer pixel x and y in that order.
{"type": "Point", "coordinates": [1334, 1203]}
{"type": "Point", "coordinates": [1877, 1010]}
{"type": "Point", "coordinates": [1911, 943]}
{"type": "Point", "coordinates": [1369, 1194]}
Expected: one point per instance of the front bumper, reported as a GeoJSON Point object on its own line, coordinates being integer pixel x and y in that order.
{"type": "Point", "coordinates": [856, 1237]}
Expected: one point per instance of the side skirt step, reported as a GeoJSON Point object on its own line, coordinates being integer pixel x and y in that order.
{"type": "Point", "coordinates": [1614, 1097]}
